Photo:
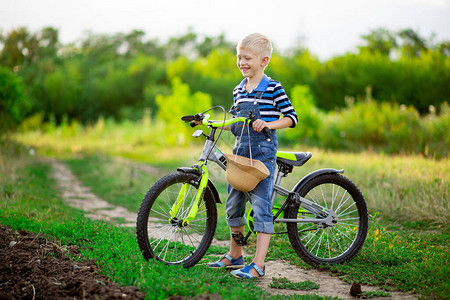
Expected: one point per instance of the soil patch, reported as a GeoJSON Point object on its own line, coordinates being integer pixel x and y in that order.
{"type": "Point", "coordinates": [36, 267]}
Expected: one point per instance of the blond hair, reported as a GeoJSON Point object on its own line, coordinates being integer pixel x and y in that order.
{"type": "Point", "coordinates": [258, 43]}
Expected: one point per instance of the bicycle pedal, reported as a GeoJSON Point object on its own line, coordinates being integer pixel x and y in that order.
{"type": "Point", "coordinates": [238, 237]}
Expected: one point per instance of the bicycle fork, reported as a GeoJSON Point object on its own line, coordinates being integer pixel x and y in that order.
{"type": "Point", "coordinates": [193, 210]}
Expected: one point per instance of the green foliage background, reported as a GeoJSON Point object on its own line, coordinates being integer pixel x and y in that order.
{"type": "Point", "coordinates": [13, 103]}
{"type": "Point", "coordinates": [389, 95]}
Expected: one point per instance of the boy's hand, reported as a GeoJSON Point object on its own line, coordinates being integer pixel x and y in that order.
{"type": "Point", "coordinates": [259, 125]}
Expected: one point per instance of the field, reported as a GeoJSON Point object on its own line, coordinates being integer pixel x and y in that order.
{"type": "Point", "coordinates": [406, 250]}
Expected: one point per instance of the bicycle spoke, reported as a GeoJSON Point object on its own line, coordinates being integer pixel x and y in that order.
{"type": "Point", "coordinates": [313, 235]}
{"type": "Point", "coordinates": [328, 243]}
{"type": "Point", "coordinates": [323, 196]}
{"type": "Point", "coordinates": [161, 227]}
{"type": "Point", "coordinates": [348, 207]}
{"type": "Point", "coordinates": [333, 197]}
{"type": "Point", "coordinates": [196, 220]}
{"type": "Point", "coordinates": [183, 211]}
{"type": "Point", "coordinates": [312, 198]}
{"type": "Point", "coordinates": [189, 237]}
{"type": "Point", "coordinates": [347, 224]}
{"type": "Point", "coordinates": [162, 214]}
{"type": "Point", "coordinates": [201, 211]}
{"type": "Point", "coordinates": [340, 203]}
{"type": "Point", "coordinates": [166, 246]}
{"type": "Point", "coordinates": [318, 243]}
{"type": "Point", "coordinates": [196, 231]}
{"type": "Point", "coordinates": [348, 219]}
{"type": "Point", "coordinates": [161, 238]}
{"type": "Point", "coordinates": [312, 227]}
{"type": "Point", "coordinates": [175, 250]}
{"type": "Point", "coordinates": [337, 229]}
{"type": "Point", "coordinates": [183, 249]}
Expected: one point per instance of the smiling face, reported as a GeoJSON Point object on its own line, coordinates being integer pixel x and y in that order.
{"type": "Point", "coordinates": [249, 63]}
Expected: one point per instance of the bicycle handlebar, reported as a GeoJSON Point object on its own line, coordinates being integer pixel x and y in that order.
{"type": "Point", "coordinates": [217, 124]}
{"type": "Point", "coordinates": [204, 118]}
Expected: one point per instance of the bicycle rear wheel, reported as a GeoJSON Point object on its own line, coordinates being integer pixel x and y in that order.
{"type": "Point", "coordinates": [161, 232]}
{"type": "Point", "coordinates": [322, 244]}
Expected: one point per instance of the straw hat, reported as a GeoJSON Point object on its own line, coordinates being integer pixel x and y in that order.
{"type": "Point", "coordinates": [243, 173]}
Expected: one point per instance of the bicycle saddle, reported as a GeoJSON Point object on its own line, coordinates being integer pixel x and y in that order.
{"type": "Point", "coordinates": [293, 158]}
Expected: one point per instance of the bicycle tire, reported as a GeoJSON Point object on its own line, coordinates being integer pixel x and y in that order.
{"type": "Point", "coordinates": [165, 238]}
{"type": "Point", "coordinates": [317, 244]}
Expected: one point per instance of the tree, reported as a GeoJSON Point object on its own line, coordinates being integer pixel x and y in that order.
{"type": "Point", "coordinates": [19, 47]}
{"type": "Point", "coordinates": [379, 40]}
{"type": "Point", "coordinates": [211, 44]}
{"type": "Point", "coordinates": [13, 102]}
{"type": "Point", "coordinates": [48, 41]}
{"type": "Point", "coordinates": [182, 45]}
{"type": "Point", "coordinates": [412, 42]}
{"type": "Point", "coordinates": [135, 45]}
{"type": "Point", "coordinates": [444, 48]}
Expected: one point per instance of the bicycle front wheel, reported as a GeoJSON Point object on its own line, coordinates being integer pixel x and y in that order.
{"type": "Point", "coordinates": [334, 244]}
{"type": "Point", "coordinates": [161, 229]}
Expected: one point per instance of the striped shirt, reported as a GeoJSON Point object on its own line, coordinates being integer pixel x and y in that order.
{"type": "Point", "coordinates": [273, 102]}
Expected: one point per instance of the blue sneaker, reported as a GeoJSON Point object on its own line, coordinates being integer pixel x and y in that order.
{"type": "Point", "coordinates": [236, 263]}
{"type": "Point", "coordinates": [245, 272]}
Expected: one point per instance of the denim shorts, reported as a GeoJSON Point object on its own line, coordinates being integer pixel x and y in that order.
{"type": "Point", "coordinates": [263, 149]}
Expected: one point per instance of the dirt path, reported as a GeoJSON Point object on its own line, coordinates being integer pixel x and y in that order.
{"type": "Point", "coordinates": [78, 196]}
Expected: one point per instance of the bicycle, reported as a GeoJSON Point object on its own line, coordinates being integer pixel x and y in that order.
{"type": "Point", "coordinates": [325, 213]}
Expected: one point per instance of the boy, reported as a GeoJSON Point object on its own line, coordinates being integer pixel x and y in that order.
{"type": "Point", "coordinates": [266, 99]}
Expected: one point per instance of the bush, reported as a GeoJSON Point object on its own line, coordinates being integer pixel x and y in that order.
{"type": "Point", "coordinates": [310, 117]}
{"type": "Point", "coordinates": [416, 81]}
{"type": "Point", "coordinates": [371, 124]}
{"type": "Point", "coordinates": [436, 139]}
{"type": "Point", "coordinates": [172, 107]}
{"type": "Point", "coordinates": [387, 127]}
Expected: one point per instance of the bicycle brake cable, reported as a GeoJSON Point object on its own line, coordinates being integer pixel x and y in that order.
{"type": "Point", "coordinates": [221, 128]}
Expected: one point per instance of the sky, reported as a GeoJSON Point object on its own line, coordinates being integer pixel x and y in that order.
{"type": "Point", "coordinates": [326, 27]}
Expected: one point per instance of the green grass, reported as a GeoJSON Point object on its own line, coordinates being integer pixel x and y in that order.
{"type": "Point", "coordinates": [406, 249]}
{"type": "Point", "coordinates": [371, 294]}
{"type": "Point", "coordinates": [284, 283]}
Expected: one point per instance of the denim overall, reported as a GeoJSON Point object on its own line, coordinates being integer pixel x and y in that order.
{"type": "Point", "coordinates": [263, 149]}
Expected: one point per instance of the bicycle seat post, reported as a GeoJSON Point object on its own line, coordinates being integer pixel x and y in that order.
{"type": "Point", "coordinates": [280, 175]}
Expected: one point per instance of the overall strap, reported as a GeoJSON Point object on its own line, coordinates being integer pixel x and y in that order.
{"type": "Point", "coordinates": [259, 95]}
{"type": "Point", "coordinates": [249, 144]}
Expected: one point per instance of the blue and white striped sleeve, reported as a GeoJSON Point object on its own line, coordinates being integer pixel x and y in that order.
{"type": "Point", "coordinates": [284, 105]}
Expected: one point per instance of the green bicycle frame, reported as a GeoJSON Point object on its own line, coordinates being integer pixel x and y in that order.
{"type": "Point", "coordinates": [198, 197]}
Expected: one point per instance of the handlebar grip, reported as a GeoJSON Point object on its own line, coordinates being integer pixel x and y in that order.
{"type": "Point", "coordinates": [266, 132]}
